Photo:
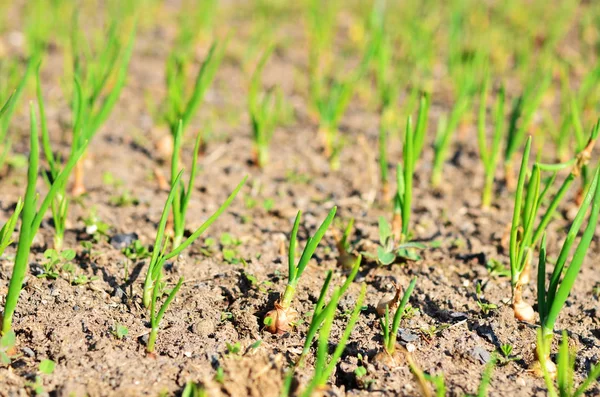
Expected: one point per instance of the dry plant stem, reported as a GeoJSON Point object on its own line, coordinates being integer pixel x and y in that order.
{"type": "Point", "coordinates": [397, 226]}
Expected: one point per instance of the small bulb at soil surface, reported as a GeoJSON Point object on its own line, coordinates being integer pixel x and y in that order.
{"type": "Point", "coordinates": [280, 320]}
{"type": "Point", "coordinates": [390, 301]}
{"type": "Point", "coordinates": [164, 147]}
{"type": "Point", "coordinates": [536, 368]}
{"type": "Point", "coordinates": [524, 312]}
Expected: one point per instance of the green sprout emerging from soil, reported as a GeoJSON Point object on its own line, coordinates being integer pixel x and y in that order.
{"type": "Point", "coordinates": [9, 107]}
{"type": "Point", "coordinates": [281, 319]}
{"type": "Point", "coordinates": [264, 112]}
{"type": "Point", "coordinates": [153, 285]}
{"type": "Point", "coordinates": [32, 216]}
{"type": "Point", "coordinates": [9, 227]}
{"type": "Point", "coordinates": [93, 98]}
{"type": "Point", "coordinates": [524, 234]}
{"type": "Point", "coordinates": [326, 363]}
{"type": "Point", "coordinates": [182, 193]}
{"type": "Point", "coordinates": [565, 372]}
{"type": "Point", "coordinates": [490, 154]}
{"type": "Point", "coordinates": [389, 335]}
{"type": "Point", "coordinates": [552, 296]}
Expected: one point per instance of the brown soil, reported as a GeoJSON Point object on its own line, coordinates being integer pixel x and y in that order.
{"type": "Point", "coordinates": [218, 304]}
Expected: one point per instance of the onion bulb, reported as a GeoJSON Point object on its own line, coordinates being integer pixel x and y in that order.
{"type": "Point", "coordinates": [390, 301]}
{"type": "Point", "coordinates": [280, 320]}
{"type": "Point", "coordinates": [524, 312]}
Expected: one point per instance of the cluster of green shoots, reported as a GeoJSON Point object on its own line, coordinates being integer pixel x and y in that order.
{"type": "Point", "coordinates": [154, 286]}
{"type": "Point", "coordinates": [13, 90]}
{"type": "Point", "coordinates": [565, 371]}
{"type": "Point", "coordinates": [98, 82]}
{"type": "Point", "coordinates": [182, 193]}
{"type": "Point", "coordinates": [524, 233]}
{"type": "Point", "coordinates": [389, 335]}
{"type": "Point", "coordinates": [489, 154]}
{"type": "Point", "coordinates": [31, 218]}
{"type": "Point", "coordinates": [181, 103]}
{"type": "Point", "coordinates": [552, 296]}
{"type": "Point", "coordinates": [321, 324]}
{"type": "Point", "coordinates": [264, 112]}
{"type": "Point", "coordinates": [282, 318]}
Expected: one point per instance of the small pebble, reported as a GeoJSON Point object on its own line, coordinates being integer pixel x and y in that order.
{"type": "Point", "coordinates": [122, 240]}
{"type": "Point", "coordinates": [28, 352]}
{"type": "Point", "coordinates": [406, 336]}
{"type": "Point", "coordinates": [480, 354]}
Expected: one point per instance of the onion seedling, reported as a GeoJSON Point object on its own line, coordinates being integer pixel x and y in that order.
{"type": "Point", "coordinates": [153, 286]}
{"type": "Point", "coordinates": [160, 255]}
{"type": "Point", "coordinates": [520, 120]}
{"type": "Point", "coordinates": [182, 105]}
{"type": "Point", "coordinates": [182, 194]}
{"type": "Point", "coordinates": [93, 97]}
{"type": "Point", "coordinates": [489, 154]}
{"type": "Point", "coordinates": [346, 258]}
{"type": "Point", "coordinates": [9, 107]}
{"type": "Point", "coordinates": [443, 137]}
{"type": "Point", "coordinates": [552, 296]}
{"type": "Point", "coordinates": [389, 335]}
{"type": "Point", "coordinates": [319, 313]}
{"type": "Point", "coordinates": [524, 234]}
{"type": "Point", "coordinates": [331, 100]}
{"type": "Point", "coordinates": [263, 113]}
{"type": "Point", "coordinates": [9, 227]}
{"type": "Point", "coordinates": [565, 370]}
{"type": "Point", "coordinates": [325, 363]}
{"type": "Point", "coordinates": [281, 319]}
{"type": "Point", "coordinates": [32, 219]}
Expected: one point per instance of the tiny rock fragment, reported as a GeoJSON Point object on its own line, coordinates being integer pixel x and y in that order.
{"type": "Point", "coordinates": [122, 240]}
{"type": "Point", "coordinates": [480, 354]}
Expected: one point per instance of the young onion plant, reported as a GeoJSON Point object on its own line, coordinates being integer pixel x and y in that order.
{"type": "Point", "coordinates": [9, 107]}
{"type": "Point", "coordinates": [524, 233]}
{"type": "Point", "coordinates": [489, 154]}
{"type": "Point", "coordinates": [565, 369]}
{"type": "Point", "coordinates": [182, 194]}
{"type": "Point", "coordinates": [32, 217]}
{"type": "Point", "coordinates": [162, 253]}
{"type": "Point", "coordinates": [521, 119]}
{"type": "Point", "coordinates": [320, 313]}
{"type": "Point", "coordinates": [99, 81]}
{"type": "Point", "coordinates": [552, 296]}
{"type": "Point", "coordinates": [331, 100]}
{"type": "Point", "coordinates": [325, 363]}
{"type": "Point", "coordinates": [389, 335]}
{"type": "Point", "coordinates": [181, 104]}
{"type": "Point", "coordinates": [281, 319]}
{"type": "Point", "coordinates": [263, 113]}
{"type": "Point", "coordinates": [60, 203]}
{"type": "Point", "coordinates": [9, 227]}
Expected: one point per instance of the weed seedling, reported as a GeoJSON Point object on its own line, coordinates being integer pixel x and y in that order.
{"type": "Point", "coordinates": [53, 260]}
{"type": "Point", "coordinates": [388, 251]}
{"type": "Point", "coordinates": [281, 319]}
